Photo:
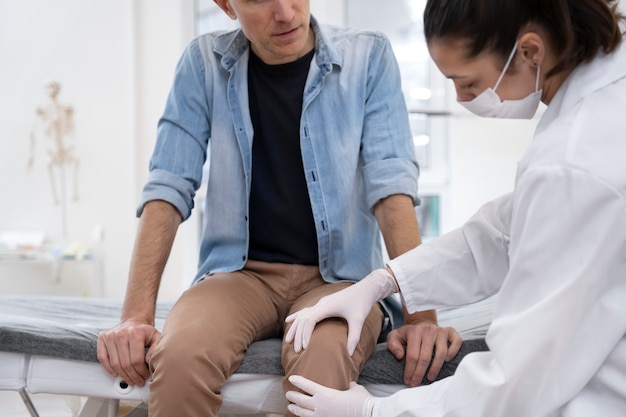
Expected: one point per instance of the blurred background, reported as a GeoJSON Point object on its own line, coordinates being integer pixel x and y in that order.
{"type": "Point", "coordinates": [68, 228]}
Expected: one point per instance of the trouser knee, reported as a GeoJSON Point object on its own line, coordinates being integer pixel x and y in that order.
{"type": "Point", "coordinates": [326, 359]}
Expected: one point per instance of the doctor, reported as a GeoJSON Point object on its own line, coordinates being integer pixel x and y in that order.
{"type": "Point", "coordinates": [554, 249]}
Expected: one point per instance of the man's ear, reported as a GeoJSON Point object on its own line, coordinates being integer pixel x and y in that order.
{"type": "Point", "coordinates": [225, 6]}
{"type": "Point", "coordinates": [532, 49]}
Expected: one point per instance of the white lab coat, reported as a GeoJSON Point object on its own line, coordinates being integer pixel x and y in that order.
{"type": "Point", "coordinates": [555, 249]}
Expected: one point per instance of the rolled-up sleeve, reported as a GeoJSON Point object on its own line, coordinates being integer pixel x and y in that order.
{"type": "Point", "coordinates": [391, 176]}
{"type": "Point", "coordinates": [390, 164]}
{"type": "Point", "coordinates": [163, 185]}
{"type": "Point", "coordinates": [182, 137]}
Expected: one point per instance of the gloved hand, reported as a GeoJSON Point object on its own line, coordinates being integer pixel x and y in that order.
{"type": "Point", "coordinates": [322, 401]}
{"type": "Point", "coordinates": [353, 304]}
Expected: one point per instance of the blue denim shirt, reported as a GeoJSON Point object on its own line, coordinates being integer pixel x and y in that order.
{"type": "Point", "coordinates": [354, 134]}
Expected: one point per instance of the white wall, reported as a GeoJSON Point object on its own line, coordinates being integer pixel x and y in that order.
{"type": "Point", "coordinates": [331, 12]}
{"type": "Point", "coordinates": [115, 61]}
{"type": "Point", "coordinates": [87, 47]}
{"type": "Point", "coordinates": [483, 161]}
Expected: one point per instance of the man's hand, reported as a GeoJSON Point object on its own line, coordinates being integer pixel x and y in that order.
{"type": "Point", "coordinates": [122, 350]}
{"type": "Point", "coordinates": [424, 344]}
{"type": "Point", "coordinates": [321, 401]}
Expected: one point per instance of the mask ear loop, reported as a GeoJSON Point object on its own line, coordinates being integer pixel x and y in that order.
{"type": "Point", "coordinates": [506, 66]}
{"type": "Point", "coordinates": [538, 73]}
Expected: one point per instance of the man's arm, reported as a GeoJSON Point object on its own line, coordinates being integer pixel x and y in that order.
{"type": "Point", "coordinates": [420, 333]}
{"type": "Point", "coordinates": [155, 236]}
{"type": "Point", "coordinates": [398, 223]}
{"type": "Point", "coordinates": [121, 350]}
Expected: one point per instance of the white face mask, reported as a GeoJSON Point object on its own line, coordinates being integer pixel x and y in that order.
{"type": "Point", "coordinates": [488, 104]}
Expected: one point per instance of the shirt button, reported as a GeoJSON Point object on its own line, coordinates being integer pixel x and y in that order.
{"type": "Point", "coordinates": [243, 258]}
{"type": "Point", "coordinates": [245, 218]}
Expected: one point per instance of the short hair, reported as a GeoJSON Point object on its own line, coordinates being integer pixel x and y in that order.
{"type": "Point", "coordinates": [577, 29]}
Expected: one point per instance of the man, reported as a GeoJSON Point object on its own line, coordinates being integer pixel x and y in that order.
{"type": "Point", "coordinates": [310, 148]}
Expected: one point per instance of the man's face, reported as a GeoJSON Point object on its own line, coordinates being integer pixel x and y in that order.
{"type": "Point", "coordinates": [278, 30]}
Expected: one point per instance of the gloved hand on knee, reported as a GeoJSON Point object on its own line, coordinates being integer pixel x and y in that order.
{"type": "Point", "coordinates": [352, 303]}
{"type": "Point", "coordinates": [321, 401]}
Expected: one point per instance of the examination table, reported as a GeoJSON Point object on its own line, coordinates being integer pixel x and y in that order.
{"type": "Point", "coordinates": [48, 345]}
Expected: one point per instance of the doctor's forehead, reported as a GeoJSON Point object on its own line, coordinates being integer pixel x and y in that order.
{"type": "Point", "coordinates": [454, 61]}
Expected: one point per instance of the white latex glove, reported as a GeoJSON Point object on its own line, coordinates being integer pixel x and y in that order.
{"type": "Point", "coordinates": [322, 401]}
{"type": "Point", "coordinates": [352, 303]}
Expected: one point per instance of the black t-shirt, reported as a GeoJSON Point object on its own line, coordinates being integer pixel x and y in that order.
{"type": "Point", "coordinates": [281, 222]}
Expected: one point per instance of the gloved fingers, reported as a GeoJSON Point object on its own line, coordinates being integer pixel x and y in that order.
{"type": "Point", "coordinates": [291, 332]}
{"type": "Point", "coordinates": [355, 325]}
{"type": "Point", "coordinates": [306, 385]}
{"type": "Point", "coordinates": [326, 402]}
{"type": "Point", "coordinates": [293, 316]}
{"type": "Point", "coordinates": [303, 322]}
{"type": "Point", "coordinates": [295, 319]}
{"type": "Point", "coordinates": [305, 327]}
{"type": "Point", "coordinates": [298, 321]}
{"type": "Point", "coordinates": [301, 400]}
{"type": "Point", "coordinates": [296, 410]}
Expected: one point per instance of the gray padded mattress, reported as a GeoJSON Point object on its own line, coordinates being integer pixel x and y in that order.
{"type": "Point", "coordinates": [68, 328]}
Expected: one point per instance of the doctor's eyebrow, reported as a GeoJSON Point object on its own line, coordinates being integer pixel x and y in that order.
{"type": "Point", "coordinates": [456, 77]}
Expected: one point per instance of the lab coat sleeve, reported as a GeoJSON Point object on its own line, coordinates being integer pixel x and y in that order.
{"type": "Point", "coordinates": [560, 311]}
{"type": "Point", "coordinates": [463, 266]}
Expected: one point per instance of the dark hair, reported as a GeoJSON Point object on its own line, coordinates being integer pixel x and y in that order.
{"type": "Point", "coordinates": [577, 28]}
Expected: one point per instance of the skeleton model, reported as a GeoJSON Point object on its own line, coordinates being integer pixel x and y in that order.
{"type": "Point", "coordinates": [55, 121]}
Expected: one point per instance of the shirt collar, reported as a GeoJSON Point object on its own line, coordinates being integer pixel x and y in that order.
{"type": "Point", "coordinates": [585, 79]}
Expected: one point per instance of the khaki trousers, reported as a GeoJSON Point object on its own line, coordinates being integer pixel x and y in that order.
{"type": "Point", "coordinates": [210, 327]}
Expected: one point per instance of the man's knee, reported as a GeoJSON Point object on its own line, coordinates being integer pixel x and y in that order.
{"type": "Point", "coordinates": [326, 358]}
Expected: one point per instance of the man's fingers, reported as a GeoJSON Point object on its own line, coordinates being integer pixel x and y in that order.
{"type": "Point", "coordinates": [456, 341]}
{"type": "Point", "coordinates": [425, 347]}
{"type": "Point", "coordinates": [122, 352]}
{"type": "Point", "coordinates": [395, 344]}
{"type": "Point", "coordinates": [152, 344]}
{"type": "Point", "coordinates": [113, 353]}
{"type": "Point", "coordinates": [103, 355]}
{"type": "Point", "coordinates": [131, 346]}
{"type": "Point", "coordinates": [441, 351]}
{"type": "Point", "coordinates": [419, 354]}
{"type": "Point", "coordinates": [138, 363]}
